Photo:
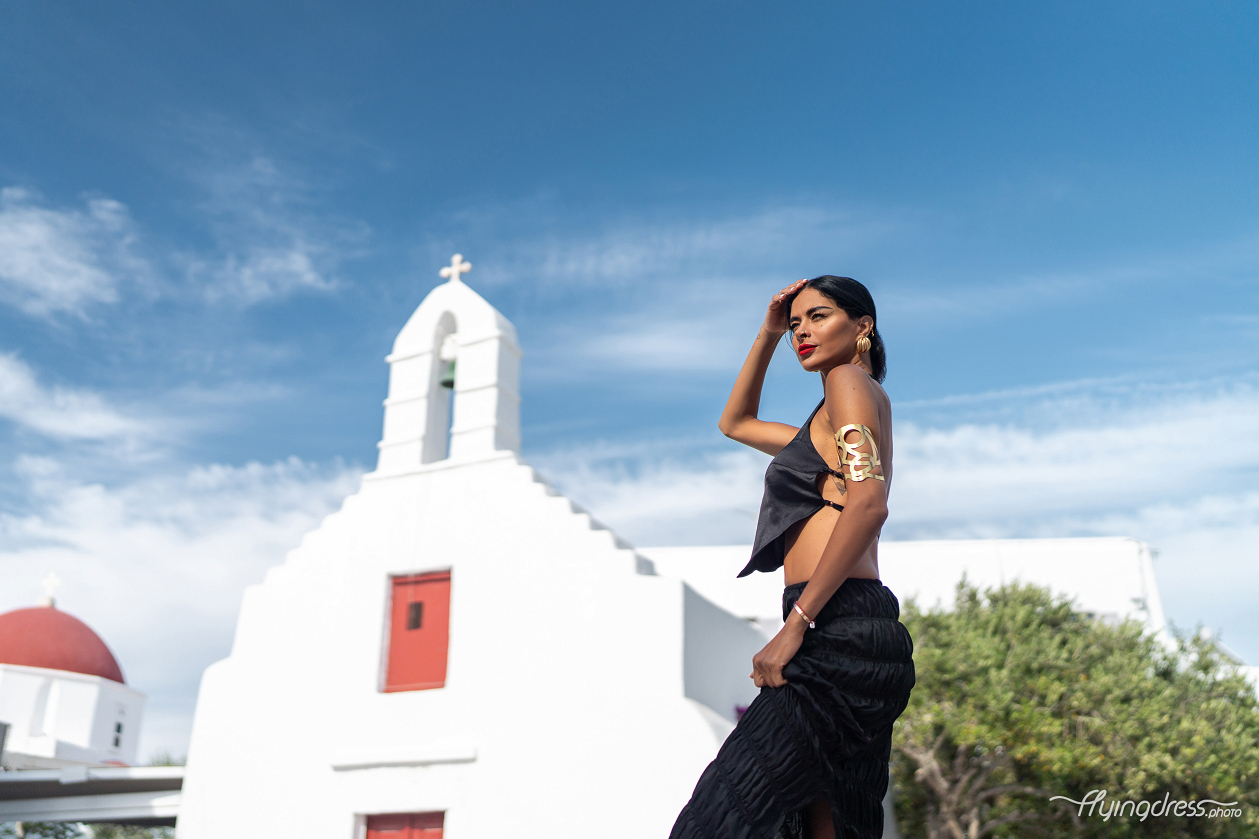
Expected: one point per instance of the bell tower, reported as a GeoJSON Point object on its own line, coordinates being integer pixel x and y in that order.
{"type": "Point", "coordinates": [458, 347]}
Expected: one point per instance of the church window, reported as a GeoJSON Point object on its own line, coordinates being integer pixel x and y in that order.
{"type": "Point", "coordinates": [405, 826]}
{"type": "Point", "coordinates": [419, 632]}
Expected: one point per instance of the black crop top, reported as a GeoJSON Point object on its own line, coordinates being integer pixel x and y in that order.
{"type": "Point", "coordinates": [791, 494]}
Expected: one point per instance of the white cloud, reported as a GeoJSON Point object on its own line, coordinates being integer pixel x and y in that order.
{"type": "Point", "coordinates": [1112, 281]}
{"type": "Point", "coordinates": [635, 251]}
{"type": "Point", "coordinates": [265, 273]}
{"type": "Point", "coordinates": [674, 253]}
{"type": "Point", "coordinates": [976, 476]}
{"type": "Point", "coordinates": [157, 566]}
{"type": "Point", "coordinates": [714, 340]}
{"type": "Point", "coordinates": [54, 261]}
{"type": "Point", "coordinates": [269, 245]}
{"type": "Point", "coordinates": [266, 246]}
{"type": "Point", "coordinates": [61, 413]}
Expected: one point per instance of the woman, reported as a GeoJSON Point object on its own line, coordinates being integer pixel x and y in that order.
{"type": "Point", "coordinates": [809, 757]}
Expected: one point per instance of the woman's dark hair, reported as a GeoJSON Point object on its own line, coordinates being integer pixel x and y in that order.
{"type": "Point", "coordinates": [855, 299]}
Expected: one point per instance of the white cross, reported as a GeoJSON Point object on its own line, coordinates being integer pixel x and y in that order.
{"type": "Point", "coordinates": [50, 586]}
{"type": "Point", "coordinates": [456, 267]}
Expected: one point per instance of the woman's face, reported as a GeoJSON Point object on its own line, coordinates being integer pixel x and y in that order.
{"type": "Point", "coordinates": [822, 334]}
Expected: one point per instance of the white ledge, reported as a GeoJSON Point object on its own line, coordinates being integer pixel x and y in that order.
{"type": "Point", "coordinates": [402, 400]}
{"type": "Point", "coordinates": [81, 774]}
{"type": "Point", "coordinates": [421, 757]}
{"type": "Point", "coordinates": [439, 465]}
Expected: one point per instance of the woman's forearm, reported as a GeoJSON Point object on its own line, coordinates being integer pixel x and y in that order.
{"type": "Point", "coordinates": [745, 397]}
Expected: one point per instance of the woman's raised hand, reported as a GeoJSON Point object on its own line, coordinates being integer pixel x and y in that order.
{"type": "Point", "coordinates": [776, 315]}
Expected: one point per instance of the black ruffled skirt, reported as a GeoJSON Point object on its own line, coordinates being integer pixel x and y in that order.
{"type": "Point", "coordinates": [826, 733]}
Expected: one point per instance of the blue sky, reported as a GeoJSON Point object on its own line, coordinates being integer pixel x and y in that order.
{"type": "Point", "coordinates": [216, 218]}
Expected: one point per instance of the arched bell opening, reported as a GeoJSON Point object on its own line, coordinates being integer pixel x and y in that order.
{"type": "Point", "coordinates": [442, 389]}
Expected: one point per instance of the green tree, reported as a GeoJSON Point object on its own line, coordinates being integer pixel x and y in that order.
{"type": "Point", "coordinates": [1020, 698]}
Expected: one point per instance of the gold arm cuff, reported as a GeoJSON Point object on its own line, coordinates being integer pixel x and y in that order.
{"type": "Point", "coordinates": [860, 465]}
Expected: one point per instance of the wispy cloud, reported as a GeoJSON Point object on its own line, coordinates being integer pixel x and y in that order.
{"type": "Point", "coordinates": [1078, 462]}
{"type": "Point", "coordinates": [263, 273]}
{"type": "Point", "coordinates": [55, 261]}
{"type": "Point", "coordinates": [638, 251]}
{"type": "Point", "coordinates": [676, 251]}
{"type": "Point", "coordinates": [58, 412]}
{"type": "Point", "coordinates": [1105, 280]}
{"type": "Point", "coordinates": [270, 243]}
{"type": "Point", "coordinates": [710, 339]}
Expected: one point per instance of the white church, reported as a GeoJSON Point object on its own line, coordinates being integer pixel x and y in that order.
{"type": "Point", "coordinates": [459, 648]}
{"type": "Point", "coordinates": [461, 651]}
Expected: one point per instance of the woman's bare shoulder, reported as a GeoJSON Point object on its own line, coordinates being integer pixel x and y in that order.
{"type": "Point", "coordinates": [885, 401]}
{"type": "Point", "coordinates": [849, 382]}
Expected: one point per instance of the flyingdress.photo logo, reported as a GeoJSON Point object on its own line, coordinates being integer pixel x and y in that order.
{"type": "Point", "coordinates": [1207, 808]}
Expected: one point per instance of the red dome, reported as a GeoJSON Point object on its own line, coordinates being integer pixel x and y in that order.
{"type": "Point", "coordinates": [45, 637]}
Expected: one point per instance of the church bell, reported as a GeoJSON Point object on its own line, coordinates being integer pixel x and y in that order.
{"type": "Point", "coordinates": [448, 378]}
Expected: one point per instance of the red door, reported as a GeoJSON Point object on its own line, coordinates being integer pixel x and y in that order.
{"type": "Point", "coordinates": [419, 632]}
{"type": "Point", "coordinates": [405, 826]}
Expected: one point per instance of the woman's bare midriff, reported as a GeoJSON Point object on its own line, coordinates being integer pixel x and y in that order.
{"type": "Point", "coordinates": [806, 539]}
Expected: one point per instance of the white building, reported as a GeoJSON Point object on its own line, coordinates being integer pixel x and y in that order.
{"type": "Point", "coordinates": [460, 647]}
{"type": "Point", "coordinates": [62, 694]}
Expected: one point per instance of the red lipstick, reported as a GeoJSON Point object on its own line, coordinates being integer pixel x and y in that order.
{"type": "Point", "coordinates": [805, 349]}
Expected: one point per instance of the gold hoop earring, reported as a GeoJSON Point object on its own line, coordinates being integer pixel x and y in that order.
{"type": "Point", "coordinates": [863, 345]}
